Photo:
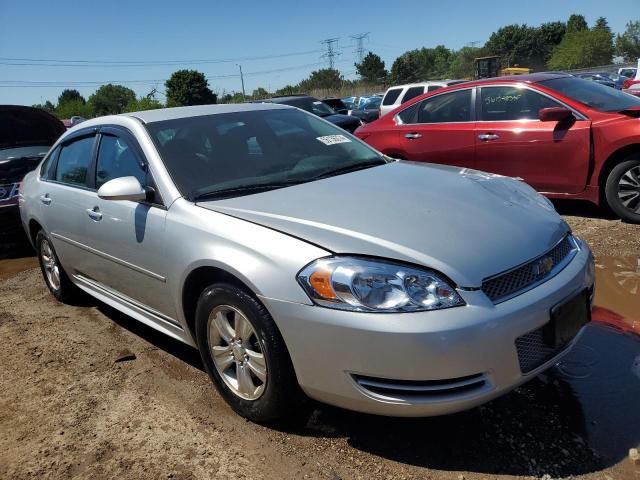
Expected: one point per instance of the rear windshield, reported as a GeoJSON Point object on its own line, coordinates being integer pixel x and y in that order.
{"type": "Point", "coordinates": [593, 94]}
{"type": "Point", "coordinates": [208, 154]}
{"type": "Point", "coordinates": [391, 96]}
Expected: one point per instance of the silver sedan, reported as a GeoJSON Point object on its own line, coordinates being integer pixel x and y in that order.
{"type": "Point", "coordinates": [302, 263]}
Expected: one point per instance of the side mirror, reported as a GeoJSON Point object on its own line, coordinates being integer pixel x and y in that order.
{"type": "Point", "coordinates": [123, 188]}
{"type": "Point", "coordinates": [554, 114]}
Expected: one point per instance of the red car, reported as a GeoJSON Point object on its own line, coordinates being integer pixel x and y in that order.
{"type": "Point", "coordinates": [565, 136]}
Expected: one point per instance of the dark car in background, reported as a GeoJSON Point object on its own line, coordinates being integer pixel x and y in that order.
{"type": "Point", "coordinates": [338, 105]}
{"type": "Point", "coordinates": [26, 134]}
{"type": "Point", "coordinates": [317, 107]}
{"type": "Point", "coordinates": [604, 78]}
{"type": "Point", "coordinates": [368, 109]}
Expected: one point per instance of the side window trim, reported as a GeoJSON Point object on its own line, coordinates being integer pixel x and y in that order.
{"type": "Point", "coordinates": [472, 108]}
{"type": "Point", "coordinates": [124, 133]}
{"type": "Point", "coordinates": [50, 162]}
{"type": "Point", "coordinates": [89, 181]}
{"type": "Point", "coordinates": [478, 103]}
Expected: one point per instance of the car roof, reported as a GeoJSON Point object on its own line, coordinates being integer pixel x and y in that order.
{"type": "Point", "coordinates": [425, 83]}
{"type": "Point", "coordinates": [159, 115]}
{"type": "Point", "coordinates": [531, 78]}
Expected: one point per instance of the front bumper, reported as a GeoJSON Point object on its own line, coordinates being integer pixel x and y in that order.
{"type": "Point", "coordinates": [458, 358]}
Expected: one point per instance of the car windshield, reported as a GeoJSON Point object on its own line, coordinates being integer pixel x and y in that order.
{"type": "Point", "coordinates": [237, 153]}
{"type": "Point", "coordinates": [592, 94]}
{"type": "Point", "coordinates": [371, 103]}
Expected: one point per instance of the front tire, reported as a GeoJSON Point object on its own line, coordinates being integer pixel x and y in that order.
{"type": "Point", "coordinates": [245, 355]}
{"type": "Point", "coordinates": [622, 189]}
{"type": "Point", "coordinates": [55, 277]}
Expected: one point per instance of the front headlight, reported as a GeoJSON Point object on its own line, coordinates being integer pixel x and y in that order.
{"type": "Point", "coordinates": [359, 284]}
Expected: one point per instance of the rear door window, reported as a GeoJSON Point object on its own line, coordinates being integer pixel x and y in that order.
{"type": "Point", "coordinates": [74, 161]}
{"type": "Point", "coordinates": [412, 92]}
{"type": "Point", "coordinates": [445, 108]}
{"type": "Point", "coordinates": [433, 88]}
{"type": "Point", "coordinates": [391, 96]}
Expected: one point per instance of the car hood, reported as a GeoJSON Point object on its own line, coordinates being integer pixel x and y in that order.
{"type": "Point", "coordinates": [466, 224]}
{"type": "Point", "coordinates": [22, 126]}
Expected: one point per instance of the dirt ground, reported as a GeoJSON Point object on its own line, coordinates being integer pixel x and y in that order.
{"type": "Point", "coordinates": [86, 392]}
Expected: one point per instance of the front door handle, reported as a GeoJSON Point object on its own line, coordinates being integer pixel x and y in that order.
{"type": "Point", "coordinates": [485, 137]}
{"type": "Point", "coordinates": [412, 135]}
{"type": "Point", "coordinates": [46, 199]}
{"type": "Point", "coordinates": [94, 214]}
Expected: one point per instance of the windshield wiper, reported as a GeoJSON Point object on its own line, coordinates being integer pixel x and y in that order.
{"type": "Point", "coordinates": [349, 168]}
{"type": "Point", "coordinates": [243, 190]}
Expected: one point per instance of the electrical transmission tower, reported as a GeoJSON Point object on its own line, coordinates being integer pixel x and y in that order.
{"type": "Point", "coordinates": [331, 50]}
{"type": "Point", "coordinates": [359, 38]}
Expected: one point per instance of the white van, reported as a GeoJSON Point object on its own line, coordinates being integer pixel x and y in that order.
{"type": "Point", "coordinates": [400, 94]}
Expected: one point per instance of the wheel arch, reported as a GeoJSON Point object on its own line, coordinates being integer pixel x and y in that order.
{"type": "Point", "coordinates": [614, 159]}
{"type": "Point", "coordinates": [34, 227]}
{"type": "Point", "coordinates": [199, 278]}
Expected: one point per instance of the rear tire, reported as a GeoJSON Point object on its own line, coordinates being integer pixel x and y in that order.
{"type": "Point", "coordinates": [245, 355]}
{"type": "Point", "coordinates": [622, 190]}
{"type": "Point", "coordinates": [55, 277]}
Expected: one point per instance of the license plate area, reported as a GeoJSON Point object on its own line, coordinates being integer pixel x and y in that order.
{"type": "Point", "coordinates": [567, 318]}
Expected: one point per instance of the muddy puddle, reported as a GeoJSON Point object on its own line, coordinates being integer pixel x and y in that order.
{"type": "Point", "coordinates": [602, 374]}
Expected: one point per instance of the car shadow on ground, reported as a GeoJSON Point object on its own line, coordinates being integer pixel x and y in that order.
{"type": "Point", "coordinates": [537, 429]}
{"type": "Point", "coordinates": [578, 208]}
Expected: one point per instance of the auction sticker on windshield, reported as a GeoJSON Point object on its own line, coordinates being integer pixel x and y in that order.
{"type": "Point", "coordinates": [333, 139]}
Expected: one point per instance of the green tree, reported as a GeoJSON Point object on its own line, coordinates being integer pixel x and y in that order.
{"type": "Point", "coordinates": [111, 99]}
{"type": "Point", "coordinates": [576, 23]}
{"type": "Point", "coordinates": [143, 103]}
{"type": "Point", "coordinates": [549, 37]}
{"type": "Point", "coordinates": [260, 93]}
{"type": "Point", "coordinates": [188, 87]}
{"type": "Point", "coordinates": [70, 95]}
{"type": "Point", "coordinates": [582, 49]}
{"type": "Point", "coordinates": [628, 44]}
{"type": "Point", "coordinates": [287, 90]}
{"type": "Point", "coordinates": [71, 108]}
{"type": "Point", "coordinates": [517, 45]}
{"type": "Point", "coordinates": [406, 68]}
{"type": "Point", "coordinates": [47, 106]}
{"type": "Point", "coordinates": [461, 64]}
{"type": "Point", "coordinates": [371, 69]}
{"type": "Point", "coordinates": [326, 78]}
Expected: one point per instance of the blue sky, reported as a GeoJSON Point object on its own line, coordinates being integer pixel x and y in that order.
{"type": "Point", "coordinates": [148, 31]}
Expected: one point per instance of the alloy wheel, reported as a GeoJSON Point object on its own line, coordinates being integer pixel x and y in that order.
{"type": "Point", "coordinates": [50, 265]}
{"type": "Point", "coordinates": [629, 189]}
{"type": "Point", "coordinates": [237, 352]}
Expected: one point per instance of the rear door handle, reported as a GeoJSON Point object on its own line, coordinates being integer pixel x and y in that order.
{"type": "Point", "coordinates": [485, 137]}
{"type": "Point", "coordinates": [412, 135]}
{"type": "Point", "coordinates": [94, 214]}
{"type": "Point", "coordinates": [46, 199]}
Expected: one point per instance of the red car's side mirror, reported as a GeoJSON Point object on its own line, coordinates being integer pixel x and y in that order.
{"type": "Point", "coordinates": [554, 114]}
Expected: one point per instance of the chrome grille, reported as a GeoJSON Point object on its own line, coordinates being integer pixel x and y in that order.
{"type": "Point", "coordinates": [533, 351]}
{"type": "Point", "coordinates": [506, 285]}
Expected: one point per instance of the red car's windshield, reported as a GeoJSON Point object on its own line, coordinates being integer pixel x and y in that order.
{"type": "Point", "coordinates": [592, 94]}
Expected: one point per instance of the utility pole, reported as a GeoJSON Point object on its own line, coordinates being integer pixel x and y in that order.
{"type": "Point", "coordinates": [359, 38]}
{"type": "Point", "coordinates": [473, 43]}
{"type": "Point", "coordinates": [244, 96]}
{"type": "Point", "coordinates": [331, 52]}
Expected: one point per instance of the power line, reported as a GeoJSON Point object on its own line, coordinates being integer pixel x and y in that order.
{"type": "Point", "coordinates": [359, 38]}
{"type": "Point", "coordinates": [331, 50]}
{"type": "Point", "coordinates": [14, 61]}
